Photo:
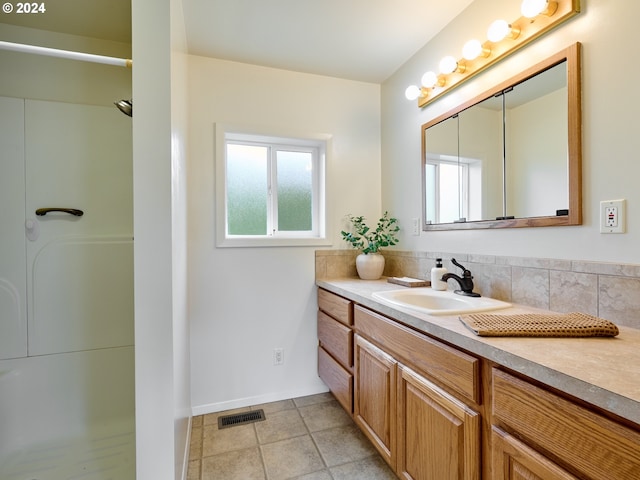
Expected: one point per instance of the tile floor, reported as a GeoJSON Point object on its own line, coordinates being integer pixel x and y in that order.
{"type": "Point", "coordinates": [305, 438]}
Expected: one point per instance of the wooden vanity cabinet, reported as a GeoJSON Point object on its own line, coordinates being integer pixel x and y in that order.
{"type": "Point", "coordinates": [438, 435]}
{"type": "Point", "coordinates": [449, 367]}
{"type": "Point", "coordinates": [514, 460]}
{"type": "Point", "coordinates": [375, 397]}
{"type": "Point", "coordinates": [335, 346]}
{"type": "Point", "coordinates": [553, 437]}
{"type": "Point", "coordinates": [423, 431]}
{"type": "Point", "coordinates": [435, 412]}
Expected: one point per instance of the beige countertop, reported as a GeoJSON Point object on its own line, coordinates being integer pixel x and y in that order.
{"type": "Point", "coordinates": [602, 371]}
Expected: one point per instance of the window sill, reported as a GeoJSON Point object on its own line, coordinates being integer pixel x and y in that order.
{"type": "Point", "coordinates": [273, 242]}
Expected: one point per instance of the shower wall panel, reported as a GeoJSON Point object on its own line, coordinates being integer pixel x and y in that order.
{"type": "Point", "coordinates": [92, 308]}
{"type": "Point", "coordinates": [61, 405]}
{"type": "Point", "coordinates": [66, 292]}
{"type": "Point", "coordinates": [13, 311]}
{"type": "Point", "coordinates": [65, 393]}
{"type": "Point", "coordinates": [80, 269]}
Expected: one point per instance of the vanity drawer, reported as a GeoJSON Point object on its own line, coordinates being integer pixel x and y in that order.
{"type": "Point", "coordinates": [339, 308]}
{"type": "Point", "coordinates": [595, 446]}
{"type": "Point", "coordinates": [339, 381]}
{"type": "Point", "coordinates": [446, 365]}
{"type": "Point", "coordinates": [336, 339]}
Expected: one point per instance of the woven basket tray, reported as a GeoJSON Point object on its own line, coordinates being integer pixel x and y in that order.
{"type": "Point", "coordinates": [539, 325]}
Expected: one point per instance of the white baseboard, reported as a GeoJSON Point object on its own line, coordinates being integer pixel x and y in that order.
{"type": "Point", "coordinates": [257, 400]}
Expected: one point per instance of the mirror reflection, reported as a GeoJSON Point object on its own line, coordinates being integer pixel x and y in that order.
{"type": "Point", "coordinates": [481, 144]}
{"type": "Point", "coordinates": [507, 156]}
{"type": "Point", "coordinates": [536, 145]}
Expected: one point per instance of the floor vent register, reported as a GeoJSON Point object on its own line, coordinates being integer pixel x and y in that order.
{"type": "Point", "coordinates": [243, 418]}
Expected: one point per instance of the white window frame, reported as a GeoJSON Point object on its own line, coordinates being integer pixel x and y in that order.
{"type": "Point", "coordinates": [464, 165]}
{"type": "Point", "coordinates": [316, 143]}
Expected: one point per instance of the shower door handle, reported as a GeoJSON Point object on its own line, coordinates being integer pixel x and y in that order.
{"type": "Point", "coordinates": [71, 211]}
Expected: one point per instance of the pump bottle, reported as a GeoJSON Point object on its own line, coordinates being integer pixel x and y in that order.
{"type": "Point", "coordinates": [436, 276]}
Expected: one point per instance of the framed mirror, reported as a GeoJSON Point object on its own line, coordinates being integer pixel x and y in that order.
{"type": "Point", "coordinates": [511, 157]}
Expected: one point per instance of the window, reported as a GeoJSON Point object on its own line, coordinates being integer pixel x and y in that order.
{"type": "Point", "coordinates": [272, 190]}
{"type": "Point", "coordinates": [453, 189]}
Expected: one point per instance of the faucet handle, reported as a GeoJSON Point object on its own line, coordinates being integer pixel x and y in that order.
{"type": "Point", "coordinates": [465, 271]}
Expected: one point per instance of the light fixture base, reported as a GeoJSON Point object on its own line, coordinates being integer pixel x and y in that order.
{"type": "Point", "coordinates": [523, 31]}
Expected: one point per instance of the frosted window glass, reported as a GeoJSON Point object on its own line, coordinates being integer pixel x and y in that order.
{"type": "Point", "coordinates": [246, 189]}
{"type": "Point", "coordinates": [295, 190]}
{"type": "Point", "coordinates": [270, 191]}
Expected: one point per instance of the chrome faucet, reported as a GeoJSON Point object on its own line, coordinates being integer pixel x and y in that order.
{"type": "Point", "coordinates": [465, 282]}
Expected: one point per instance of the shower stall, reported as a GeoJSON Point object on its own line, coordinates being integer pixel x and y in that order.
{"type": "Point", "coordinates": [66, 292]}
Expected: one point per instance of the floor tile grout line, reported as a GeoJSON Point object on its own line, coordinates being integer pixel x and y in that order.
{"type": "Point", "coordinates": [259, 445]}
{"type": "Point", "coordinates": [298, 408]}
{"type": "Point", "coordinates": [328, 468]}
{"type": "Point", "coordinates": [315, 444]}
{"type": "Point", "coordinates": [200, 441]}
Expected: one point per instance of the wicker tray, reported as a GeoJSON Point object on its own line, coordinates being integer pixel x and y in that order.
{"type": "Point", "coordinates": [539, 325]}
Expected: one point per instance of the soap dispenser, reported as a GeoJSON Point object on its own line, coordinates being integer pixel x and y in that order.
{"type": "Point", "coordinates": [436, 276]}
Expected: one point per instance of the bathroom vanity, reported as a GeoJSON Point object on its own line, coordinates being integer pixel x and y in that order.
{"type": "Point", "coordinates": [439, 402]}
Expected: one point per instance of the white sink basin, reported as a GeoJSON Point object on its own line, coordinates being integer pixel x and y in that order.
{"type": "Point", "coordinates": [436, 302]}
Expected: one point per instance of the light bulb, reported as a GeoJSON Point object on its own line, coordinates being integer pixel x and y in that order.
{"type": "Point", "coordinates": [498, 30]}
{"type": "Point", "coordinates": [533, 8]}
{"type": "Point", "coordinates": [429, 80]}
{"type": "Point", "coordinates": [472, 49]}
{"type": "Point", "coordinates": [412, 92]}
{"type": "Point", "coordinates": [448, 65]}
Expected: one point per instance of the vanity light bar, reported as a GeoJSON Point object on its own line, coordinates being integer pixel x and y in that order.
{"type": "Point", "coordinates": [514, 35]}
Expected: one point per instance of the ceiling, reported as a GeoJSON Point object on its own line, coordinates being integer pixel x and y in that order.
{"type": "Point", "coordinates": [365, 40]}
{"type": "Point", "coordinates": [105, 19]}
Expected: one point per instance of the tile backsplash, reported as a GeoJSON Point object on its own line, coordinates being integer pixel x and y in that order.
{"type": "Point", "coordinates": [607, 290]}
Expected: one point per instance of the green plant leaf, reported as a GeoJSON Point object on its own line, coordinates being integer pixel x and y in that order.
{"type": "Point", "coordinates": [370, 241]}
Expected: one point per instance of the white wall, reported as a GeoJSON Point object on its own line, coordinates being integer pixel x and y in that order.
{"type": "Point", "coordinates": [179, 163]}
{"type": "Point", "coordinates": [244, 302]}
{"type": "Point", "coordinates": [46, 78]}
{"type": "Point", "coordinates": [159, 158]}
{"type": "Point", "coordinates": [608, 32]}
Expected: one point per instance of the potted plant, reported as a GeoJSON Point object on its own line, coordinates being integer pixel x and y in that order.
{"type": "Point", "coordinates": [369, 263]}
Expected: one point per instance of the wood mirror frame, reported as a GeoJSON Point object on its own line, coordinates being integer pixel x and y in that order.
{"type": "Point", "coordinates": [572, 56]}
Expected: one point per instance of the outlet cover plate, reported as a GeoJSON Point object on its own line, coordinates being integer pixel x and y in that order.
{"type": "Point", "coordinates": [416, 226]}
{"type": "Point", "coordinates": [278, 356]}
{"type": "Point", "coordinates": [612, 216]}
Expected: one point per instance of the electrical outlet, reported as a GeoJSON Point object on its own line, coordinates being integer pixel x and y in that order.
{"type": "Point", "coordinates": [416, 226]}
{"type": "Point", "coordinates": [278, 356]}
{"type": "Point", "coordinates": [612, 216]}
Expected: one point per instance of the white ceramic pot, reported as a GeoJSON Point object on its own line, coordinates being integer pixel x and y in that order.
{"type": "Point", "coordinates": [370, 266]}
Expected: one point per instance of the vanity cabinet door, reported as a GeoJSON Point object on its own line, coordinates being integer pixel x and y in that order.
{"type": "Point", "coordinates": [375, 397]}
{"type": "Point", "coordinates": [585, 441]}
{"type": "Point", "coordinates": [438, 435]}
{"type": "Point", "coordinates": [513, 460]}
